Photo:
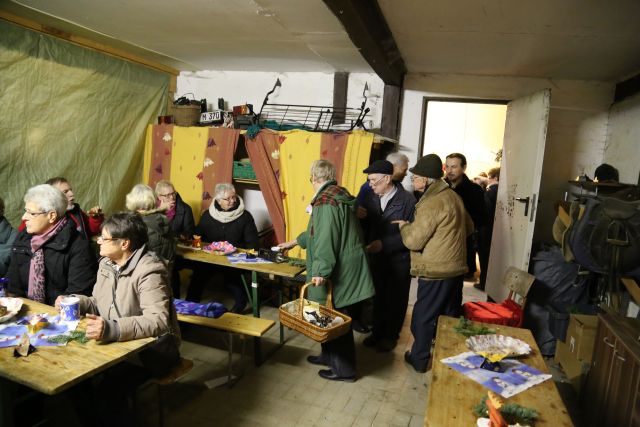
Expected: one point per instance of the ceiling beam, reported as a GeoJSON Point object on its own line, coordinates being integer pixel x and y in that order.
{"type": "Point", "coordinates": [368, 30]}
{"type": "Point", "coordinates": [627, 88]}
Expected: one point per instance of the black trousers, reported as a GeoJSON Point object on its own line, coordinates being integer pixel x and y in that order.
{"type": "Point", "coordinates": [472, 242]}
{"type": "Point", "coordinates": [435, 298]}
{"type": "Point", "coordinates": [340, 353]}
{"type": "Point", "coordinates": [392, 281]}
{"type": "Point", "coordinates": [231, 278]}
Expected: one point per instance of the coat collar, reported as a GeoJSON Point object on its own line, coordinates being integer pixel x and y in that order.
{"type": "Point", "coordinates": [437, 187]}
{"type": "Point", "coordinates": [131, 263]}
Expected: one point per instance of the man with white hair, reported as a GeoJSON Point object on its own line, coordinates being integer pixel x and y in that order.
{"type": "Point", "coordinates": [335, 252]}
{"type": "Point", "coordinates": [389, 257]}
{"type": "Point", "coordinates": [437, 241]}
{"type": "Point", "coordinates": [400, 164]}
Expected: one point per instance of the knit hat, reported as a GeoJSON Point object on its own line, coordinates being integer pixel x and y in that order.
{"type": "Point", "coordinates": [384, 167]}
{"type": "Point", "coordinates": [429, 166]}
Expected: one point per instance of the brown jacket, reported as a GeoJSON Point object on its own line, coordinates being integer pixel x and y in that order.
{"type": "Point", "coordinates": [142, 297]}
{"type": "Point", "coordinates": [437, 236]}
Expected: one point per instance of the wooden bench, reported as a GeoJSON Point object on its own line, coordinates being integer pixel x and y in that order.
{"type": "Point", "coordinates": [232, 324]}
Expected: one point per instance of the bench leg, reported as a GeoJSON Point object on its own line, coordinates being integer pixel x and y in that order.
{"type": "Point", "coordinates": [230, 378]}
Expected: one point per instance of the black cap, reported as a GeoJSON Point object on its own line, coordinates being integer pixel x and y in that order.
{"type": "Point", "coordinates": [384, 167]}
{"type": "Point", "coordinates": [429, 166]}
{"type": "Point", "coordinates": [606, 173]}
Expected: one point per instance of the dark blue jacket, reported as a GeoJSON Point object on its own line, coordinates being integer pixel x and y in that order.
{"type": "Point", "coordinates": [377, 225]}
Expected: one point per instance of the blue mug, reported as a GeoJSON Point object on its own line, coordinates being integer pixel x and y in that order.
{"type": "Point", "coordinates": [70, 309]}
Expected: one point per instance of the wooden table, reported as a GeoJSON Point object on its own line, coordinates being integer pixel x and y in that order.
{"type": "Point", "coordinates": [51, 370]}
{"type": "Point", "coordinates": [452, 395]}
{"type": "Point", "coordinates": [274, 270]}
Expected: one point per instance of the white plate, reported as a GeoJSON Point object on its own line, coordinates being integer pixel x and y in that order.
{"type": "Point", "coordinates": [192, 248]}
{"type": "Point", "coordinates": [13, 307]}
{"type": "Point", "coordinates": [498, 344]}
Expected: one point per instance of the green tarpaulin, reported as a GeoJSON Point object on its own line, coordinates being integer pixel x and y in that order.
{"type": "Point", "coordinates": [70, 111]}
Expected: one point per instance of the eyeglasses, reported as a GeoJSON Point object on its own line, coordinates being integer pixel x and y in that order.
{"type": "Point", "coordinates": [33, 214]}
{"type": "Point", "coordinates": [168, 195]}
{"type": "Point", "coordinates": [229, 199]}
{"type": "Point", "coordinates": [102, 240]}
{"type": "Point", "coordinates": [377, 181]}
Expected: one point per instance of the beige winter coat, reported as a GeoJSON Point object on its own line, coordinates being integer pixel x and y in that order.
{"type": "Point", "coordinates": [142, 296]}
{"type": "Point", "coordinates": [437, 236]}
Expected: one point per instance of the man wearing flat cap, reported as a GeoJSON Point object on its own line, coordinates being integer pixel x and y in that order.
{"type": "Point", "coordinates": [437, 241]}
{"type": "Point", "coordinates": [387, 202]}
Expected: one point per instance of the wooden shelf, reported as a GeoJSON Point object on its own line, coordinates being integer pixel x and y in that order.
{"type": "Point", "coordinates": [246, 181]}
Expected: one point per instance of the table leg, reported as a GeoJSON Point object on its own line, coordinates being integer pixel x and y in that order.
{"type": "Point", "coordinates": [6, 403]}
{"type": "Point", "coordinates": [281, 284]}
{"type": "Point", "coordinates": [257, 342]}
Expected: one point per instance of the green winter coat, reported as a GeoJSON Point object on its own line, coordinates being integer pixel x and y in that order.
{"type": "Point", "coordinates": [335, 248]}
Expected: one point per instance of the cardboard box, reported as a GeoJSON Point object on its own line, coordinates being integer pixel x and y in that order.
{"type": "Point", "coordinates": [581, 336]}
{"type": "Point", "coordinates": [575, 370]}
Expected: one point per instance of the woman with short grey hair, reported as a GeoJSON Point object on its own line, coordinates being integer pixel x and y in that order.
{"type": "Point", "coordinates": [225, 220]}
{"type": "Point", "coordinates": [49, 257]}
{"type": "Point", "coordinates": [48, 198]}
{"type": "Point", "coordinates": [142, 200]}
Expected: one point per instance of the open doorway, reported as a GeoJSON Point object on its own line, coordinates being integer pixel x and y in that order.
{"type": "Point", "coordinates": [472, 127]}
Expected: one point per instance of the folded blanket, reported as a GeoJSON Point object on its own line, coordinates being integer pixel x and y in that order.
{"type": "Point", "coordinates": [211, 309]}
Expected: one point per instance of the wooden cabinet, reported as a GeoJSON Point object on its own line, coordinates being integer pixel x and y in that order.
{"type": "Point", "coordinates": [613, 385]}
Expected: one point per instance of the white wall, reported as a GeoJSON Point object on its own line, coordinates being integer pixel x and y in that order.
{"type": "Point", "coordinates": [623, 139]}
{"type": "Point", "coordinates": [575, 138]}
{"type": "Point", "coordinates": [248, 87]}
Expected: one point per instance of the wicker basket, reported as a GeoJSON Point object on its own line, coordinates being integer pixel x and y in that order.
{"type": "Point", "coordinates": [185, 115]}
{"type": "Point", "coordinates": [291, 316]}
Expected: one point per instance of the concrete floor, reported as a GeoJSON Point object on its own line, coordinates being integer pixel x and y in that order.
{"type": "Point", "coordinates": [286, 390]}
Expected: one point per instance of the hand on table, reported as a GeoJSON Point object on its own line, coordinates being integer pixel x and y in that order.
{"type": "Point", "coordinates": [57, 303]}
{"type": "Point", "coordinates": [95, 327]}
{"type": "Point", "coordinates": [288, 245]}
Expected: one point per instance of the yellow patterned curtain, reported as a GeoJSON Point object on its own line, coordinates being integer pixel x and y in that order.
{"type": "Point", "coordinates": [298, 150]}
{"type": "Point", "coordinates": [194, 159]}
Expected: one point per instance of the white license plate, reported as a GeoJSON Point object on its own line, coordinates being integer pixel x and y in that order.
{"type": "Point", "coordinates": [212, 116]}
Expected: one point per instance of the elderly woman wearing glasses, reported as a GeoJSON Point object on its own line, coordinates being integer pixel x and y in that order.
{"type": "Point", "coordinates": [178, 213]}
{"type": "Point", "coordinates": [142, 200]}
{"type": "Point", "coordinates": [227, 220]}
{"type": "Point", "coordinates": [49, 257]}
{"type": "Point", "coordinates": [131, 300]}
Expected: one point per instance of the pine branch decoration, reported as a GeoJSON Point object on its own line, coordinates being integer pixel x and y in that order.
{"type": "Point", "coordinates": [466, 328]}
{"type": "Point", "coordinates": [78, 336]}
